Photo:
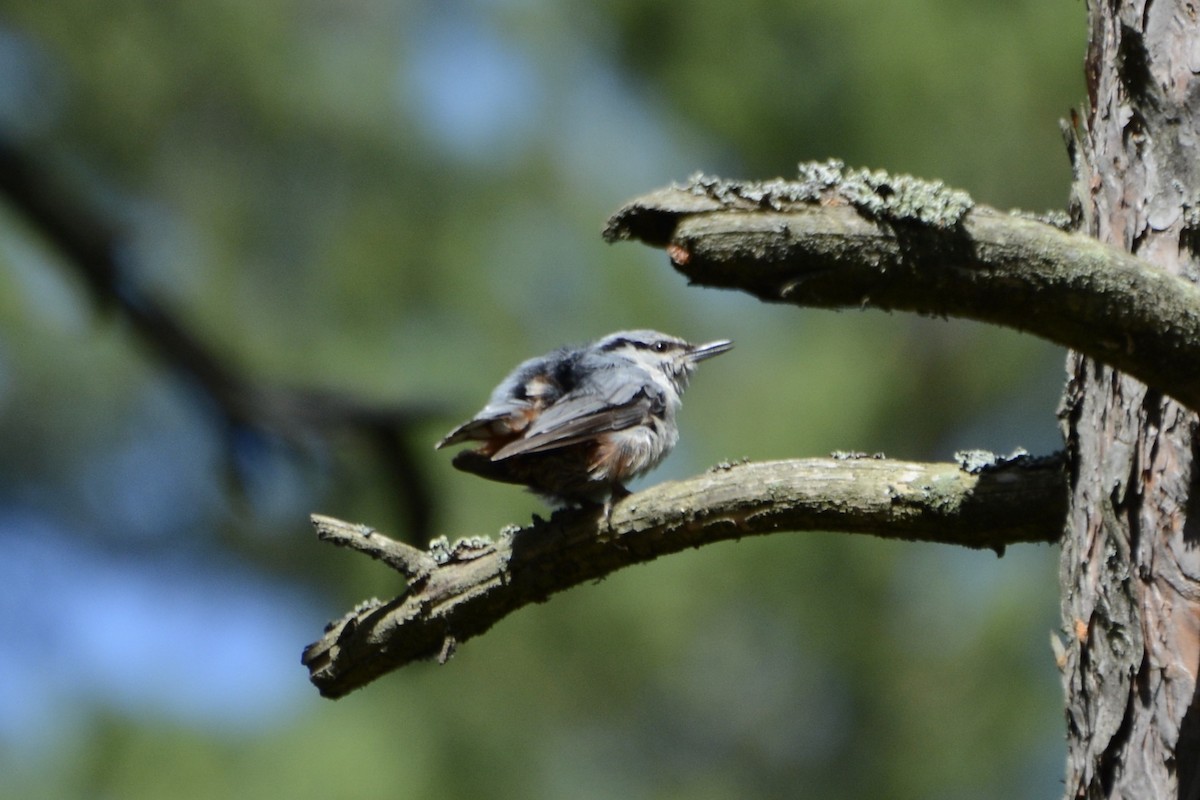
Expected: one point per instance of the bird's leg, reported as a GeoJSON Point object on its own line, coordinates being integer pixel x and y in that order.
{"type": "Point", "coordinates": [619, 492]}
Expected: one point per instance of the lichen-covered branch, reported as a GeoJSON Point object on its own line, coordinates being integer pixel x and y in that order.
{"type": "Point", "coordinates": [836, 239]}
{"type": "Point", "coordinates": [459, 591]}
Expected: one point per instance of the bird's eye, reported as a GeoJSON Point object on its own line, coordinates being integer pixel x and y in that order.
{"type": "Point", "coordinates": [660, 347]}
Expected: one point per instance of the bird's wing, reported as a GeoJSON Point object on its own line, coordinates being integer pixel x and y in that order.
{"type": "Point", "coordinates": [498, 422]}
{"type": "Point", "coordinates": [578, 417]}
{"type": "Point", "coordinates": [514, 403]}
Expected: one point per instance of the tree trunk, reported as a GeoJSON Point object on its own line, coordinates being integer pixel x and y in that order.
{"type": "Point", "coordinates": [1130, 560]}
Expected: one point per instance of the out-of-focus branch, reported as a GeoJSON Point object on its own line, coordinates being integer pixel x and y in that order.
{"type": "Point", "coordinates": [836, 239]}
{"type": "Point", "coordinates": [459, 591]}
{"type": "Point", "coordinates": [91, 247]}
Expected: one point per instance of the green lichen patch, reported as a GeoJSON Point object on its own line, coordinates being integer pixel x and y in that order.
{"type": "Point", "coordinates": [875, 193]}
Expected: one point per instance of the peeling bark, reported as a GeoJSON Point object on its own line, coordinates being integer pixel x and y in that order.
{"type": "Point", "coordinates": [1130, 567]}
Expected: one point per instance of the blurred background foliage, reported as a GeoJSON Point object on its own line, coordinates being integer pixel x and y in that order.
{"type": "Point", "coordinates": [400, 201]}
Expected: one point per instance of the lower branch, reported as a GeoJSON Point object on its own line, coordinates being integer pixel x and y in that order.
{"type": "Point", "coordinates": [459, 591]}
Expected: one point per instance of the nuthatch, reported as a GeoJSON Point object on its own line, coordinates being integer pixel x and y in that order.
{"type": "Point", "coordinates": [574, 425]}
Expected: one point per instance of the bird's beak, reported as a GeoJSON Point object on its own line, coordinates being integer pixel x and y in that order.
{"type": "Point", "coordinates": [700, 352]}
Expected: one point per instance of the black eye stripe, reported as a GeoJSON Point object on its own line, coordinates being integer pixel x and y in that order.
{"type": "Point", "coordinates": [659, 346]}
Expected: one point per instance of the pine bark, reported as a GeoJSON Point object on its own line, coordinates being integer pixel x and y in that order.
{"type": "Point", "coordinates": [1130, 558]}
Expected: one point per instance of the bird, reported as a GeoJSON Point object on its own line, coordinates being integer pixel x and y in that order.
{"type": "Point", "coordinates": [574, 425]}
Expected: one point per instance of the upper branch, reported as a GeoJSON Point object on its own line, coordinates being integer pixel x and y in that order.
{"type": "Point", "coordinates": [456, 592]}
{"type": "Point", "coordinates": [835, 239]}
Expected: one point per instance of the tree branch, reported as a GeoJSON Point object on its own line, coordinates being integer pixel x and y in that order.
{"type": "Point", "coordinates": [457, 592]}
{"type": "Point", "coordinates": [836, 239]}
{"type": "Point", "coordinates": [91, 246]}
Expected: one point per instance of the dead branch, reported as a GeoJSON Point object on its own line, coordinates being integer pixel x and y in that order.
{"type": "Point", "coordinates": [459, 591]}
